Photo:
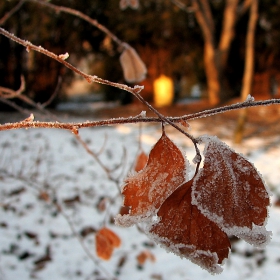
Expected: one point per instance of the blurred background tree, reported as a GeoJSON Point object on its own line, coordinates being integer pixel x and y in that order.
{"type": "Point", "coordinates": [171, 36]}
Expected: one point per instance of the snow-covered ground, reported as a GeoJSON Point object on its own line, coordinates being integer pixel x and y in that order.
{"type": "Point", "coordinates": [54, 196]}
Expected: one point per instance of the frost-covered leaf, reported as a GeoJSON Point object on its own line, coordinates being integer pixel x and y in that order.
{"type": "Point", "coordinates": [145, 191]}
{"type": "Point", "coordinates": [133, 67]}
{"type": "Point", "coordinates": [183, 230]}
{"type": "Point", "coordinates": [230, 191]}
{"type": "Point", "coordinates": [106, 240]}
{"type": "Point", "coordinates": [141, 161]}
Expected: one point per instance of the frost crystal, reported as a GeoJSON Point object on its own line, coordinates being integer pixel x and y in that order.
{"type": "Point", "coordinates": [143, 114]}
{"type": "Point", "coordinates": [250, 98]}
{"type": "Point", "coordinates": [64, 56]}
{"type": "Point", "coordinates": [196, 159]}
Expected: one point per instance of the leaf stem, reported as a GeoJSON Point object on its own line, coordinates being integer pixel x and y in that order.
{"type": "Point", "coordinates": [169, 121]}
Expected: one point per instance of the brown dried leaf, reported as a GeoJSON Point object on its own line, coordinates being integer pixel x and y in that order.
{"type": "Point", "coordinates": [72, 200]}
{"type": "Point", "coordinates": [106, 240]}
{"type": "Point", "coordinates": [145, 255]}
{"type": "Point", "coordinates": [111, 236]}
{"type": "Point", "coordinates": [124, 210]}
{"type": "Point", "coordinates": [183, 230]}
{"type": "Point", "coordinates": [184, 124]}
{"type": "Point", "coordinates": [104, 248]}
{"type": "Point", "coordinates": [133, 67]}
{"type": "Point", "coordinates": [43, 195]}
{"type": "Point", "coordinates": [230, 191]}
{"type": "Point", "coordinates": [141, 161]}
{"type": "Point", "coordinates": [102, 203]}
{"type": "Point", "coordinates": [147, 190]}
{"type": "Point", "coordinates": [85, 231]}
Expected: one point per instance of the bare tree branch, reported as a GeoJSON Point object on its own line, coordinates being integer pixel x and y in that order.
{"type": "Point", "coordinates": [248, 69]}
{"type": "Point", "coordinates": [11, 12]}
{"type": "Point", "coordinates": [135, 91]}
{"type": "Point", "coordinates": [9, 93]}
{"type": "Point", "coordinates": [206, 10]}
{"type": "Point", "coordinates": [206, 29]}
{"type": "Point", "coordinates": [54, 94]}
{"type": "Point", "coordinates": [132, 120]}
{"type": "Point", "coordinates": [229, 20]}
{"type": "Point", "coordinates": [15, 106]}
{"type": "Point", "coordinates": [82, 16]}
{"type": "Point", "coordinates": [245, 5]}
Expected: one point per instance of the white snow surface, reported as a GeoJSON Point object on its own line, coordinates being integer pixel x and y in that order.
{"type": "Point", "coordinates": [51, 160]}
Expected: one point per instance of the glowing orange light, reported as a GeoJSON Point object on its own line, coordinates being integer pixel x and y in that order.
{"type": "Point", "coordinates": [163, 91]}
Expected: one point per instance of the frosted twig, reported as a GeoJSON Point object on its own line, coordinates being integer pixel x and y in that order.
{"type": "Point", "coordinates": [29, 46]}
{"type": "Point", "coordinates": [132, 120]}
{"type": "Point", "coordinates": [223, 109]}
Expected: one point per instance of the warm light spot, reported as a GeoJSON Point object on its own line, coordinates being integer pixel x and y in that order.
{"type": "Point", "coordinates": [163, 91]}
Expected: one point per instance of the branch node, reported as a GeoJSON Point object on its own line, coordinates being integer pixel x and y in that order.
{"type": "Point", "coordinates": [29, 119]}
{"type": "Point", "coordinates": [64, 56]}
{"type": "Point", "coordinates": [75, 130]}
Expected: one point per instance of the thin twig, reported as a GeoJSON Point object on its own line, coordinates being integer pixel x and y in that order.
{"type": "Point", "coordinates": [101, 164]}
{"type": "Point", "coordinates": [82, 16]}
{"type": "Point", "coordinates": [61, 58]}
{"type": "Point", "coordinates": [166, 120]}
{"type": "Point", "coordinates": [133, 120]}
{"type": "Point", "coordinates": [54, 94]}
{"type": "Point", "coordinates": [182, 6]}
{"type": "Point", "coordinates": [224, 109]}
{"type": "Point", "coordinates": [11, 12]}
{"type": "Point", "coordinates": [7, 93]}
{"type": "Point", "coordinates": [78, 237]}
{"type": "Point", "coordinates": [10, 93]}
{"type": "Point", "coordinates": [15, 106]}
{"type": "Point", "coordinates": [135, 91]}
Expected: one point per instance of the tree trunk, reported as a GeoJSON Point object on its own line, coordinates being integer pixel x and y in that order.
{"type": "Point", "coordinates": [212, 74]}
{"type": "Point", "coordinates": [205, 20]}
{"type": "Point", "coordinates": [227, 34]}
{"type": "Point", "coordinates": [216, 55]}
{"type": "Point", "coordinates": [226, 37]}
{"type": "Point", "coordinates": [248, 69]}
